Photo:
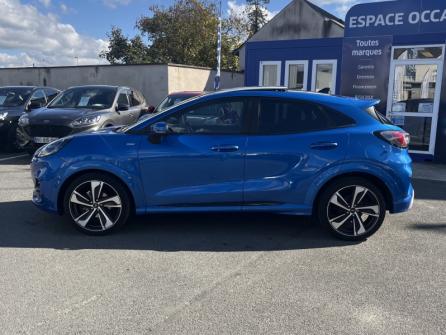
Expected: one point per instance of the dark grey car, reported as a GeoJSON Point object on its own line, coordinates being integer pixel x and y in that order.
{"type": "Point", "coordinates": [16, 101]}
{"type": "Point", "coordinates": [80, 109]}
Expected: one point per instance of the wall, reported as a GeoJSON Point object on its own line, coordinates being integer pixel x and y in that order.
{"type": "Point", "coordinates": [183, 78]}
{"type": "Point", "coordinates": [154, 81]}
{"type": "Point", "coordinates": [313, 49]}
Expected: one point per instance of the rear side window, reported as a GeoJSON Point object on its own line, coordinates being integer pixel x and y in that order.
{"type": "Point", "coordinates": [378, 116]}
{"type": "Point", "coordinates": [51, 94]}
{"type": "Point", "coordinates": [136, 99]}
{"type": "Point", "coordinates": [279, 117]}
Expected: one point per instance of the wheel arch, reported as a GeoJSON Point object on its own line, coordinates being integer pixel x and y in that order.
{"type": "Point", "coordinates": [71, 178]}
{"type": "Point", "coordinates": [388, 197]}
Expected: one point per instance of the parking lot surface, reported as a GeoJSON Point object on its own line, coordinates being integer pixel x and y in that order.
{"type": "Point", "coordinates": [218, 274]}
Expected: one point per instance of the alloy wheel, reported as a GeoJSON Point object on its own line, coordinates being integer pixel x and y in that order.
{"type": "Point", "coordinates": [353, 211]}
{"type": "Point", "coordinates": [95, 206]}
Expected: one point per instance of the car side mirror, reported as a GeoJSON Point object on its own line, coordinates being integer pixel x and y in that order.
{"type": "Point", "coordinates": [158, 131]}
{"type": "Point", "coordinates": [122, 107]}
{"type": "Point", "coordinates": [150, 109]}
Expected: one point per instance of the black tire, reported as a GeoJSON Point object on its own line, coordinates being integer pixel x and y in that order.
{"type": "Point", "coordinates": [351, 208]}
{"type": "Point", "coordinates": [12, 143]}
{"type": "Point", "coordinates": [103, 216]}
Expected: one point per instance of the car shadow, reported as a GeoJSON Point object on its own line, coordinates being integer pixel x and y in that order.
{"type": "Point", "coordinates": [24, 226]}
{"type": "Point", "coordinates": [429, 227]}
{"type": "Point", "coordinates": [429, 189]}
{"type": "Point", "coordinates": [15, 159]}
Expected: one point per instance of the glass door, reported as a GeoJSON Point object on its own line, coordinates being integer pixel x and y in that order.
{"type": "Point", "coordinates": [414, 93]}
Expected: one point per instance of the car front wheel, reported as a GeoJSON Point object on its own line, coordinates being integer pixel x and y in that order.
{"type": "Point", "coordinates": [97, 203]}
{"type": "Point", "coordinates": [352, 208]}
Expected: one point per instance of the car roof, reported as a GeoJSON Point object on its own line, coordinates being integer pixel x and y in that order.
{"type": "Point", "coordinates": [18, 86]}
{"type": "Point", "coordinates": [30, 87]}
{"type": "Point", "coordinates": [100, 86]}
{"type": "Point", "coordinates": [283, 92]}
{"type": "Point", "coordinates": [191, 93]}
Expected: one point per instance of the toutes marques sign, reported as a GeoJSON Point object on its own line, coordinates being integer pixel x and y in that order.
{"type": "Point", "coordinates": [397, 18]}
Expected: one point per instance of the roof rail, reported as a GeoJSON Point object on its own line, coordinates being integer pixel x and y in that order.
{"type": "Point", "coordinates": [256, 88]}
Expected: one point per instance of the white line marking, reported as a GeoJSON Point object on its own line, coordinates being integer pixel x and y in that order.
{"type": "Point", "coordinates": [13, 157]}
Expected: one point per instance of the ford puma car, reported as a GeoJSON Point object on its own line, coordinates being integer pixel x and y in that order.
{"type": "Point", "coordinates": [82, 108]}
{"type": "Point", "coordinates": [246, 150]}
{"type": "Point", "coordinates": [15, 101]}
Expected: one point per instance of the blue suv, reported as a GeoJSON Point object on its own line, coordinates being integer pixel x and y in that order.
{"type": "Point", "coordinates": [248, 150]}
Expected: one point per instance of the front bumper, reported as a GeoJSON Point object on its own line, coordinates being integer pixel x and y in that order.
{"type": "Point", "coordinates": [46, 184]}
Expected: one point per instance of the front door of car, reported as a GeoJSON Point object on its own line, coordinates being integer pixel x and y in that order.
{"type": "Point", "coordinates": [292, 142]}
{"type": "Point", "coordinates": [124, 109]}
{"type": "Point", "coordinates": [200, 163]}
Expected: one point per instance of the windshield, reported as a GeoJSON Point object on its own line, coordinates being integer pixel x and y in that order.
{"type": "Point", "coordinates": [172, 100]}
{"type": "Point", "coordinates": [85, 97]}
{"type": "Point", "coordinates": [14, 97]}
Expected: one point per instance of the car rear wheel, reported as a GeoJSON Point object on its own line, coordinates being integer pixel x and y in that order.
{"type": "Point", "coordinates": [97, 204]}
{"type": "Point", "coordinates": [352, 208]}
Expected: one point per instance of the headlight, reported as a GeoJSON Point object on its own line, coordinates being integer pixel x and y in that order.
{"type": "Point", "coordinates": [24, 120]}
{"type": "Point", "coordinates": [86, 121]}
{"type": "Point", "coordinates": [52, 148]}
{"type": "Point", "coordinates": [3, 116]}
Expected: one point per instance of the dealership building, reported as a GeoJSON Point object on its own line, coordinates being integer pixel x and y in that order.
{"type": "Point", "coordinates": [393, 51]}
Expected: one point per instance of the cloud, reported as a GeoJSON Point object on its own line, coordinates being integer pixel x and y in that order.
{"type": "Point", "coordinates": [29, 37]}
{"type": "Point", "coordinates": [340, 7]}
{"type": "Point", "coordinates": [239, 9]}
{"type": "Point", "coordinates": [64, 9]}
{"type": "Point", "coordinates": [116, 3]}
{"type": "Point", "coordinates": [46, 3]}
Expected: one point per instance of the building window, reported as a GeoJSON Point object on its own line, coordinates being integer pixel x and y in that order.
{"type": "Point", "coordinates": [324, 76]}
{"type": "Point", "coordinates": [296, 75]}
{"type": "Point", "coordinates": [418, 52]}
{"type": "Point", "coordinates": [270, 73]}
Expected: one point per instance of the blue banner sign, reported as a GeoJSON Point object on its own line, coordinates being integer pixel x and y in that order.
{"type": "Point", "coordinates": [400, 17]}
{"type": "Point", "coordinates": [365, 68]}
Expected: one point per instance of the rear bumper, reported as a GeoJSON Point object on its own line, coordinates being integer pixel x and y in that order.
{"type": "Point", "coordinates": [404, 204]}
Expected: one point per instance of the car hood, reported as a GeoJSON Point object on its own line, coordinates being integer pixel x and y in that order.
{"type": "Point", "coordinates": [12, 111]}
{"type": "Point", "coordinates": [60, 115]}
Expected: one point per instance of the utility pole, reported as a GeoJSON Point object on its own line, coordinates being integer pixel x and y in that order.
{"type": "Point", "coordinates": [219, 37]}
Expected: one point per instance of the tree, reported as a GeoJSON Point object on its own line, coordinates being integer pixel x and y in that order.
{"type": "Point", "coordinates": [257, 15]}
{"type": "Point", "coordinates": [183, 33]}
{"type": "Point", "coordinates": [121, 50]}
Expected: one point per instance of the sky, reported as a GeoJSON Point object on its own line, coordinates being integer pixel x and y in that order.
{"type": "Point", "coordinates": [70, 32]}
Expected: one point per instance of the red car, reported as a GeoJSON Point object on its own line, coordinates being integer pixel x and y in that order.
{"type": "Point", "coordinates": [175, 98]}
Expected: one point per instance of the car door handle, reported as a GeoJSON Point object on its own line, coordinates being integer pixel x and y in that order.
{"type": "Point", "coordinates": [225, 148]}
{"type": "Point", "coordinates": [324, 145]}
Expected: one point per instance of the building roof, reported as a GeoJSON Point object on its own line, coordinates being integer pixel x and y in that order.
{"type": "Point", "coordinates": [316, 8]}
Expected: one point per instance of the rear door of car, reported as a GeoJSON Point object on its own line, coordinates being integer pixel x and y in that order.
{"type": "Point", "coordinates": [289, 144]}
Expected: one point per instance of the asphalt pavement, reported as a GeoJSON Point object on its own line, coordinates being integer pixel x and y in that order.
{"type": "Point", "coordinates": [218, 274]}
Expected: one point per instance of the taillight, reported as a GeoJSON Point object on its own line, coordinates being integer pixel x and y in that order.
{"type": "Point", "coordinates": [397, 138]}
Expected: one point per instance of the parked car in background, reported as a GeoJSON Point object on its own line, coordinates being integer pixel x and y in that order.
{"type": "Point", "coordinates": [175, 98]}
{"type": "Point", "coordinates": [254, 149]}
{"type": "Point", "coordinates": [172, 100]}
{"type": "Point", "coordinates": [80, 109]}
{"type": "Point", "coordinates": [16, 101]}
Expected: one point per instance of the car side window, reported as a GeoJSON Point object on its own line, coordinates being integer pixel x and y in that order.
{"type": "Point", "coordinates": [123, 99]}
{"type": "Point", "coordinates": [38, 98]}
{"type": "Point", "coordinates": [279, 117]}
{"type": "Point", "coordinates": [135, 99]}
{"type": "Point", "coordinates": [51, 94]}
{"type": "Point", "coordinates": [222, 117]}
